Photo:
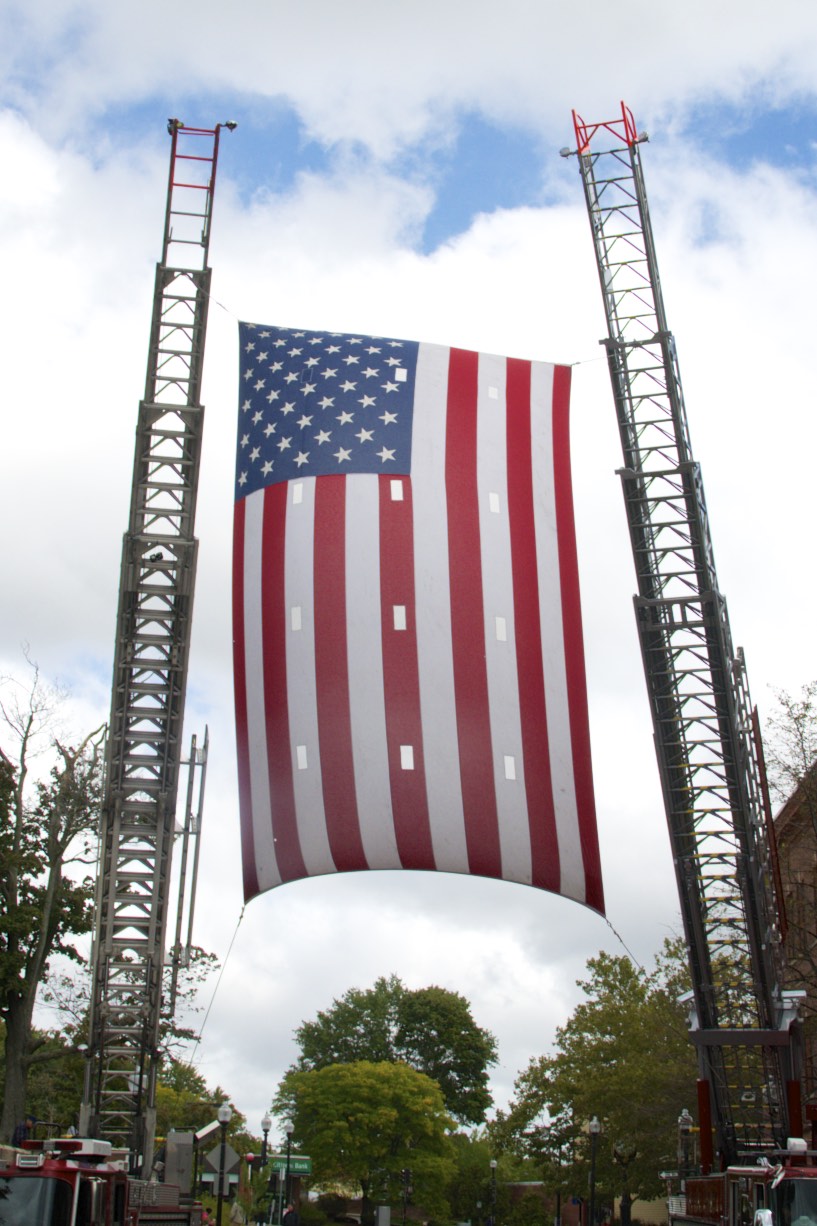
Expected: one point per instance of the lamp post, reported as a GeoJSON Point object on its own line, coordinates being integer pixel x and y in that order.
{"type": "Point", "coordinates": [289, 1128]}
{"type": "Point", "coordinates": [225, 1114]}
{"type": "Point", "coordinates": [684, 1130]}
{"type": "Point", "coordinates": [594, 1128]}
{"type": "Point", "coordinates": [556, 1142]}
{"type": "Point", "coordinates": [405, 1177]}
{"type": "Point", "coordinates": [250, 1160]}
{"type": "Point", "coordinates": [266, 1124]}
{"type": "Point", "coordinates": [493, 1192]}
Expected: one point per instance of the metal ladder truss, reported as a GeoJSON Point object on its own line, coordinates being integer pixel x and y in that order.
{"type": "Point", "coordinates": [133, 991]}
{"type": "Point", "coordinates": [707, 753]}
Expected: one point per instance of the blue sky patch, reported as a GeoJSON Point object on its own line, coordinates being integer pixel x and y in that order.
{"type": "Point", "coordinates": [485, 169]}
{"type": "Point", "coordinates": [741, 135]}
{"type": "Point", "coordinates": [274, 148]}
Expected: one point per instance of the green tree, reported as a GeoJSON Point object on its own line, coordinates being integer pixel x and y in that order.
{"type": "Point", "coordinates": [359, 1026]}
{"type": "Point", "coordinates": [362, 1123]}
{"type": "Point", "coordinates": [437, 1035]}
{"type": "Point", "coordinates": [55, 1079]}
{"type": "Point", "coordinates": [623, 1056]}
{"type": "Point", "coordinates": [791, 758]}
{"type": "Point", "coordinates": [791, 748]}
{"type": "Point", "coordinates": [469, 1191]}
{"type": "Point", "coordinates": [56, 1074]}
{"type": "Point", "coordinates": [184, 1101]}
{"type": "Point", "coordinates": [430, 1029]}
{"type": "Point", "coordinates": [46, 835]}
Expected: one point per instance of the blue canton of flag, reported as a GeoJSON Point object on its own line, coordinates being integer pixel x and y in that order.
{"type": "Point", "coordinates": [316, 403]}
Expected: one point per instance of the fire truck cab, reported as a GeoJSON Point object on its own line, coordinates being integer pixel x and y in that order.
{"type": "Point", "coordinates": [81, 1182]}
{"type": "Point", "coordinates": [762, 1195]}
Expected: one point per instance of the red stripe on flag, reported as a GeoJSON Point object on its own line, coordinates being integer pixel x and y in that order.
{"type": "Point", "coordinates": [574, 649]}
{"type": "Point", "coordinates": [528, 632]}
{"type": "Point", "coordinates": [274, 620]}
{"type": "Point", "coordinates": [332, 676]}
{"type": "Point", "coordinates": [401, 678]}
{"type": "Point", "coordinates": [467, 619]}
{"type": "Point", "coordinates": [251, 887]}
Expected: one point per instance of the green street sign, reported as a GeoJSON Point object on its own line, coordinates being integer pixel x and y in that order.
{"type": "Point", "coordinates": [299, 1164]}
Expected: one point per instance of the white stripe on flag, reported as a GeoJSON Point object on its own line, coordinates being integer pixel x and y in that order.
{"type": "Point", "coordinates": [267, 866]}
{"type": "Point", "coordinates": [553, 647]}
{"type": "Point", "coordinates": [437, 698]}
{"type": "Point", "coordinates": [498, 596]}
{"type": "Point", "coordinates": [301, 682]}
{"type": "Point", "coordinates": [366, 692]}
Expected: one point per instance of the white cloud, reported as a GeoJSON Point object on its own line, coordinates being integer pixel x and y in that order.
{"type": "Point", "coordinates": [390, 76]}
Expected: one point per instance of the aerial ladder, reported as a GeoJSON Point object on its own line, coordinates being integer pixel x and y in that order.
{"type": "Point", "coordinates": [742, 1021]}
{"type": "Point", "coordinates": [134, 980]}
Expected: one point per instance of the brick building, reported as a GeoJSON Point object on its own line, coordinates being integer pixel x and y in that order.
{"type": "Point", "coordinates": [796, 836]}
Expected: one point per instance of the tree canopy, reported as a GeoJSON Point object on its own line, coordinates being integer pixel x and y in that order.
{"type": "Point", "coordinates": [364, 1122]}
{"type": "Point", "coordinates": [184, 1101]}
{"type": "Point", "coordinates": [470, 1189]}
{"type": "Point", "coordinates": [46, 893]}
{"type": "Point", "coordinates": [791, 757]}
{"type": "Point", "coordinates": [791, 747]}
{"type": "Point", "coordinates": [623, 1056]}
{"type": "Point", "coordinates": [50, 791]}
{"type": "Point", "coordinates": [431, 1029]}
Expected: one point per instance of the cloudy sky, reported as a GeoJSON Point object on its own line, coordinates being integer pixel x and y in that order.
{"type": "Point", "coordinates": [396, 170]}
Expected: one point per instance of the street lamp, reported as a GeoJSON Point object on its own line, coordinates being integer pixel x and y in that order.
{"type": "Point", "coordinates": [266, 1124]}
{"type": "Point", "coordinates": [225, 1114]}
{"type": "Point", "coordinates": [594, 1128]}
{"type": "Point", "coordinates": [405, 1177]}
{"type": "Point", "coordinates": [289, 1128]}
{"type": "Point", "coordinates": [684, 1130]}
{"type": "Point", "coordinates": [493, 1192]}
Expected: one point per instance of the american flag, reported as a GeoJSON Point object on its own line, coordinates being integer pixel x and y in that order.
{"type": "Point", "coordinates": [409, 668]}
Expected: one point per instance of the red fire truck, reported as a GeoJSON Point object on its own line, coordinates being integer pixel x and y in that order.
{"type": "Point", "coordinates": [82, 1182]}
{"type": "Point", "coordinates": [766, 1194]}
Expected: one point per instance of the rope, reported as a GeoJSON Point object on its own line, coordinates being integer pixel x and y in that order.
{"type": "Point", "coordinates": [621, 941]}
{"type": "Point", "coordinates": [218, 981]}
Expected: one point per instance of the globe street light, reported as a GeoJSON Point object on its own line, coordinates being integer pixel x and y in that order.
{"type": "Point", "coordinates": [289, 1128]}
{"type": "Point", "coordinates": [250, 1160]}
{"type": "Point", "coordinates": [266, 1124]}
{"type": "Point", "coordinates": [594, 1128]}
{"type": "Point", "coordinates": [225, 1114]}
